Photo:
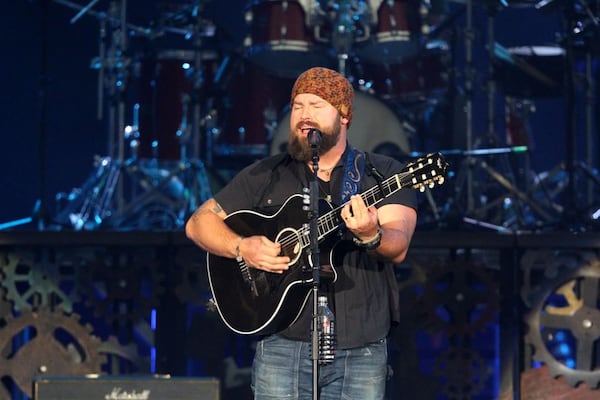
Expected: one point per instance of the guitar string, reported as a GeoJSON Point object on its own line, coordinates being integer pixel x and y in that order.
{"type": "Point", "coordinates": [329, 217]}
{"type": "Point", "coordinates": [387, 184]}
{"type": "Point", "coordinates": [372, 192]}
{"type": "Point", "coordinates": [365, 195]}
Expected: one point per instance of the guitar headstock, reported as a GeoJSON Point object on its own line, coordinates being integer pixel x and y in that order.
{"type": "Point", "coordinates": [427, 171]}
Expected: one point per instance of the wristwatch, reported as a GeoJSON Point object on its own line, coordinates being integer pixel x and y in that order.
{"type": "Point", "coordinates": [372, 243]}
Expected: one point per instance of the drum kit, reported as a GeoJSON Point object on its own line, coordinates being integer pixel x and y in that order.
{"type": "Point", "coordinates": [198, 112]}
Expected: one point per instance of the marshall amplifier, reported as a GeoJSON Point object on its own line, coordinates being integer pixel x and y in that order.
{"type": "Point", "coordinates": [124, 387]}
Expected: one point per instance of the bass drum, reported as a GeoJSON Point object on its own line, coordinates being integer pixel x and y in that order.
{"type": "Point", "coordinates": [374, 128]}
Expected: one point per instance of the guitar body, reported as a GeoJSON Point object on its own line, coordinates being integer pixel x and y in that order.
{"type": "Point", "coordinates": [252, 301]}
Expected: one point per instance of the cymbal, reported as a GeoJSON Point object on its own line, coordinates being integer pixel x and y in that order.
{"type": "Point", "coordinates": [530, 71]}
{"type": "Point", "coordinates": [133, 29]}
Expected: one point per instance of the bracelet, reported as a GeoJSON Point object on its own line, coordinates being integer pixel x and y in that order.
{"type": "Point", "coordinates": [238, 257]}
{"type": "Point", "coordinates": [372, 243]}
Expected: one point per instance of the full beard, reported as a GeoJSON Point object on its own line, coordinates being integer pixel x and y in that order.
{"type": "Point", "coordinates": [299, 148]}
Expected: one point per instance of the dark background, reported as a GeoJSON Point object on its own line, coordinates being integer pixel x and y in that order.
{"type": "Point", "coordinates": [51, 133]}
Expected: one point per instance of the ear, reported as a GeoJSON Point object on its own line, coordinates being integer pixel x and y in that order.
{"type": "Point", "coordinates": [344, 121]}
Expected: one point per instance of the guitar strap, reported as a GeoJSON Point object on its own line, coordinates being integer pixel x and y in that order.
{"type": "Point", "coordinates": [374, 172]}
{"type": "Point", "coordinates": [354, 168]}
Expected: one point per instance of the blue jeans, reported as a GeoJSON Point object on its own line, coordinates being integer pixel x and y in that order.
{"type": "Point", "coordinates": [282, 369]}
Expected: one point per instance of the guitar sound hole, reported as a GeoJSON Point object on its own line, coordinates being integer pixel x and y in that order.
{"type": "Point", "coordinates": [290, 244]}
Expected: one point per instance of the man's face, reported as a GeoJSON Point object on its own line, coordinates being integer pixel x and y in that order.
{"type": "Point", "coordinates": [311, 111]}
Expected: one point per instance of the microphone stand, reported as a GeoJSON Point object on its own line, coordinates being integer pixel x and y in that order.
{"type": "Point", "coordinates": [314, 139]}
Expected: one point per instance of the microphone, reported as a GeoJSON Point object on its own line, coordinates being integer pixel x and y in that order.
{"type": "Point", "coordinates": [314, 137]}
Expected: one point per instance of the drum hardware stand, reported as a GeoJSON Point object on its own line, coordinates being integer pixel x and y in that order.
{"type": "Point", "coordinates": [271, 121]}
{"type": "Point", "coordinates": [518, 108]}
{"type": "Point", "coordinates": [468, 164]}
{"type": "Point", "coordinates": [468, 85]}
{"type": "Point", "coordinates": [491, 83]}
{"type": "Point", "coordinates": [344, 30]}
{"type": "Point", "coordinates": [510, 183]}
{"type": "Point", "coordinates": [197, 86]}
{"type": "Point", "coordinates": [466, 176]}
{"type": "Point", "coordinates": [490, 88]}
{"type": "Point", "coordinates": [172, 192]}
{"type": "Point", "coordinates": [518, 133]}
{"type": "Point", "coordinates": [514, 201]}
{"type": "Point", "coordinates": [209, 124]}
{"type": "Point", "coordinates": [590, 84]}
{"type": "Point", "coordinates": [469, 98]}
{"type": "Point", "coordinates": [342, 36]}
{"type": "Point", "coordinates": [117, 64]}
{"type": "Point", "coordinates": [200, 187]}
{"type": "Point", "coordinates": [176, 188]}
{"type": "Point", "coordinates": [39, 214]}
{"type": "Point", "coordinates": [573, 213]}
{"type": "Point", "coordinates": [222, 82]}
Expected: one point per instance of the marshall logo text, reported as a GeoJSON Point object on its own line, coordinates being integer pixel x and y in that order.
{"type": "Point", "coordinates": [120, 394]}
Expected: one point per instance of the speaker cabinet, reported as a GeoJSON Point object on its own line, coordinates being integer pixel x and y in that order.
{"type": "Point", "coordinates": [122, 387]}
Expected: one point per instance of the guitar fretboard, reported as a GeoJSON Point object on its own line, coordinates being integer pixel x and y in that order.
{"type": "Point", "coordinates": [331, 220]}
{"type": "Point", "coordinates": [417, 174]}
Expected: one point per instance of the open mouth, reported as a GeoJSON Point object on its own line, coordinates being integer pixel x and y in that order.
{"type": "Point", "coordinates": [305, 129]}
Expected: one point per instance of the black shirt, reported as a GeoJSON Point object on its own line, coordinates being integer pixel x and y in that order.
{"type": "Point", "coordinates": [364, 297]}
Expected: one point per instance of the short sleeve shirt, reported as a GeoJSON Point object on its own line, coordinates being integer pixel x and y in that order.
{"type": "Point", "coordinates": [364, 296]}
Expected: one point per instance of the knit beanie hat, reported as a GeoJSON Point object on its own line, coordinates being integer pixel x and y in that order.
{"type": "Point", "coordinates": [329, 85]}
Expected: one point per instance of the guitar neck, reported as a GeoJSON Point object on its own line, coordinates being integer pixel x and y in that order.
{"type": "Point", "coordinates": [418, 174]}
{"type": "Point", "coordinates": [332, 220]}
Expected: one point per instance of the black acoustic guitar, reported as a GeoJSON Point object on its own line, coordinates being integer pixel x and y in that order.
{"type": "Point", "coordinates": [252, 301]}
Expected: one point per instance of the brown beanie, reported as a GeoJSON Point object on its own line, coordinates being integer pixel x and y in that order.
{"type": "Point", "coordinates": [329, 85]}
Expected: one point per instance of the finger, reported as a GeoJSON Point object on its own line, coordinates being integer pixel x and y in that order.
{"type": "Point", "coordinates": [358, 206]}
{"type": "Point", "coordinates": [373, 212]}
{"type": "Point", "coordinates": [347, 218]}
{"type": "Point", "coordinates": [269, 248]}
{"type": "Point", "coordinates": [278, 260]}
{"type": "Point", "coordinates": [275, 267]}
{"type": "Point", "coordinates": [269, 243]}
{"type": "Point", "coordinates": [346, 210]}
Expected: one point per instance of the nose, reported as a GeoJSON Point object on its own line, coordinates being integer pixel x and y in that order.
{"type": "Point", "coordinates": [305, 114]}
